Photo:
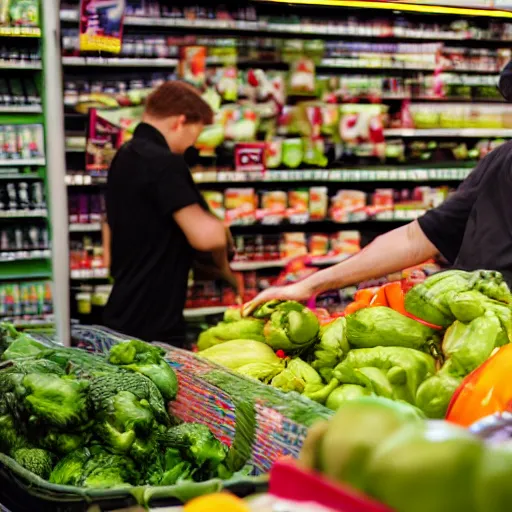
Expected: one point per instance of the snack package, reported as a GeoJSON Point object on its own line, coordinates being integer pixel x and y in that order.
{"type": "Point", "coordinates": [302, 76]}
{"type": "Point", "coordinates": [318, 203]}
{"type": "Point", "coordinates": [346, 242]}
{"type": "Point", "coordinates": [240, 205]}
{"type": "Point", "coordinates": [298, 206]}
{"type": "Point", "coordinates": [240, 122]}
{"type": "Point", "coordinates": [226, 82]}
{"type": "Point", "coordinates": [314, 152]}
{"type": "Point", "coordinates": [215, 201]}
{"type": "Point", "coordinates": [293, 245]}
{"type": "Point", "coordinates": [318, 245]}
{"type": "Point", "coordinates": [348, 206]}
{"type": "Point", "coordinates": [293, 152]}
{"type": "Point", "coordinates": [23, 13]}
{"type": "Point", "coordinates": [273, 204]}
{"type": "Point", "coordinates": [274, 153]}
{"type": "Point", "coordinates": [192, 66]}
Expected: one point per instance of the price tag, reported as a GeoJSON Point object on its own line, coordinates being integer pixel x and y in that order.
{"type": "Point", "coordinates": [250, 156]}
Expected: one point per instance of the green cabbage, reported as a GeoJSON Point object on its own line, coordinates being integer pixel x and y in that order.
{"type": "Point", "coordinates": [346, 392]}
{"type": "Point", "coordinates": [246, 328]}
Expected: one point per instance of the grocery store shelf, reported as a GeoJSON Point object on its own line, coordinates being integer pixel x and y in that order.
{"type": "Point", "coordinates": [119, 62]}
{"type": "Point", "coordinates": [34, 66]}
{"type": "Point", "coordinates": [207, 311]}
{"type": "Point", "coordinates": [400, 33]}
{"type": "Point", "coordinates": [449, 132]}
{"type": "Point", "coordinates": [21, 109]}
{"type": "Point", "coordinates": [23, 162]}
{"type": "Point", "coordinates": [245, 266]}
{"type": "Point", "coordinates": [8, 257]}
{"type": "Point", "coordinates": [20, 32]}
{"type": "Point", "coordinates": [84, 228]}
{"type": "Point", "coordinates": [333, 175]}
{"type": "Point", "coordinates": [23, 214]}
{"type": "Point", "coordinates": [37, 321]}
{"type": "Point", "coordinates": [89, 274]}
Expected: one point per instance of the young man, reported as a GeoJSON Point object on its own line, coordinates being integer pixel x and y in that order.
{"type": "Point", "coordinates": [158, 218]}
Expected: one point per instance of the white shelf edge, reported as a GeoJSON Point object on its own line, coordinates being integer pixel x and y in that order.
{"type": "Point", "coordinates": [45, 254]}
{"type": "Point", "coordinates": [244, 266]}
{"type": "Point", "coordinates": [33, 66]}
{"type": "Point", "coordinates": [23, 214]}
{"type": "Point", "coordinates": [84, 228]}
{"type": "Point", "coordinates": [21, 109]}
{"type": "Point", "coordinates": [205, 311]}
{"type": "Point", "coordinates": [23, 162]}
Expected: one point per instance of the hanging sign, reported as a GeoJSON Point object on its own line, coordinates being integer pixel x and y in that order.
{"type": "Point", "coordinates": [101, 25]}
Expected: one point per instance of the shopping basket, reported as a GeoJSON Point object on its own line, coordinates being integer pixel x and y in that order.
{"type": "Point", "coordinates": [258, 423]}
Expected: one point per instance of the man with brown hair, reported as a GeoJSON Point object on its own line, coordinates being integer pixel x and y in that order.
{"type": "Point", "coordinates": [158, 218]}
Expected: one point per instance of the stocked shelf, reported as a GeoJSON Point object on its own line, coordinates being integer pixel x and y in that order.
{"type": "Point", "coordinates": [21, 109]}
{"type": "Point", "coordinates": [326, 30]}
{"type": "Point", "coordinates": [20, 176]}
{"type": "Point", "coordinates": [245, 266]}
{"type": "Point", "coordinates": [333, 175]}
{"type": "Point", "coordinates": [449, 132]}
{"type": "Point", "coordinates": [119, 62]}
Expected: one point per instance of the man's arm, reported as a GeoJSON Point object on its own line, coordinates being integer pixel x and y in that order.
{"type": "Point", "coordinates": [401, 248]}
{"type": "Point", "coordinates": [203, 231]}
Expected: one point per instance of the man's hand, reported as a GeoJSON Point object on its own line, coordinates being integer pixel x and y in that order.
{"type": "Point", "coordinates": [299, 292]}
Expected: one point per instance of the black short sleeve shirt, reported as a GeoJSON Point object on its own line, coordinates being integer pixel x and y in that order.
{"type": "Point", "coordinates": [151, 256]}
{"type": "Point", "coordinates": [473, 228]}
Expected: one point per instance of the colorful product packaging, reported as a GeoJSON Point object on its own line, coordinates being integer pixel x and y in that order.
{"type": "Point", "coordinates": [240, 205]}
{"type": "Point", "coordinates": [318, 203]}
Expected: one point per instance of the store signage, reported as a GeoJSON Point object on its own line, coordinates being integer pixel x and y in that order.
{"type": "Point", "coordinates": [101, 25]}
{"type": "Point", "coordinates": [250, 156]}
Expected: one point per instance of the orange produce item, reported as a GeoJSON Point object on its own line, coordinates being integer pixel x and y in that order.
{"type": "Point", "coordinates": [379, 299]}
{"type": "Point", "coordinates": [354, 306]}
{"type": "Point", "coordinates": [395, 296]}
{"type": "Point", "coordinates": [366, 294]}
{"type": "Point", "coordinates": [216, 503]}
{"type": "Point", "coordinates": [485, 391]}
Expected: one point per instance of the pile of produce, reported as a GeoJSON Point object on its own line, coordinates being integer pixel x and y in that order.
{"type": "Point", "coordinates": [415, 346]}
{"type": "Point", "coordinates": [388, 451]}
{"type": "Point", "coordinates": [78, 419]}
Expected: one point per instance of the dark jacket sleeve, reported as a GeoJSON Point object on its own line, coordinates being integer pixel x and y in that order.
{"type": "Point", "coordinates": [444, 226]}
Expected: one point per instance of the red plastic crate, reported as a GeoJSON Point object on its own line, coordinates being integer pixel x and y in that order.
{"type": "Point", "coordinates": [289, 482]}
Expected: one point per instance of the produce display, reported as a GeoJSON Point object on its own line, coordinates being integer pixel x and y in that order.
{"type": "Point", "coordinates": [414, 346]}
{"type": "Point", "coordinates": [390, 452]}
{"type": "Point", "coordinates": [84, 420]}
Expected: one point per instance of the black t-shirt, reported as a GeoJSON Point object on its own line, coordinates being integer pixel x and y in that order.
{"type": "Point", "coordinates": [473, 228]}
{"type": "Point", "coordinates": [151, 257]}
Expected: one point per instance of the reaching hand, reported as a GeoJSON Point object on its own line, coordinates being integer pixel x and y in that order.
{"type": "Point", "coordinates": [296, 291]}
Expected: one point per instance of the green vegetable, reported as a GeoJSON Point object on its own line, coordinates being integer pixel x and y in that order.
{"type": "Point", "coordinates": [243, 355]}
{"type": "Point", "coordinates": [467, 346]}
{"type": "Point", "coordinates": [22, 347]}
{"type": "Point", "coordinates": [345, 392]}
{"type": "Point", "coordinates": [425, 468]}
{"type": "Point", "coordinates": [382, 326]}
{"type": "Point", "coordinates": [10, 437]}
{"type": "Point", "coordinates": [354, 432]}
{"type": "Point", "coordinates": [491, 284]}
{"type": "Point", "coordinates": [434, 394]}
{"type": "Point", "coordinates": [331, 348]}
{"type": "Point", "coordinates": [467, 306]}
{"type": "Point", "coordinates": [34, 459]}
{"type": "Point", "coordinates": [104, 388]}
{"type": "Point", "coordinates": [429, 300]}
{"type": "Point", "coordinates": [291, 329]}
{"type": "Point", "coordinates": [106, 471]}
{"type": "Point", "coordinates": [392, 372]}
{"type": "Point", "coordinates": [148, 360]}
{"type": "Point", "coordinates": [320, 395]}
{"type": "Point", "coordinates": [56, 401]}
{"type": "Point", "coordinates": [62, 442]}
{"type": "Point", "coordinates": [69, 470]}
{"type": "Point", "coordinates": [197, 442]}
{"type": "Point", "coordinates": [298, 376]}
{"type": "Point", "coordinates": [244, 329]}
